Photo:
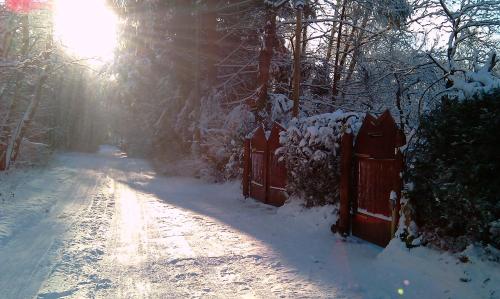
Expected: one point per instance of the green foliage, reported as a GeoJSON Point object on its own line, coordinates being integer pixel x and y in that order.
{"type": "Point", "coordinates": [456, 172]}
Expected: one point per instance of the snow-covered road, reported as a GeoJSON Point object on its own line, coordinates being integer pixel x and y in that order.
{"type": "Point", "coordinates": [105, 226]}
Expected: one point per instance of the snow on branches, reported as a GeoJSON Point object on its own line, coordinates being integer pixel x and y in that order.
{"type": "Point", "coordinates": [310, 149]}
{"type": "Point", "coordinates": [478, 81]}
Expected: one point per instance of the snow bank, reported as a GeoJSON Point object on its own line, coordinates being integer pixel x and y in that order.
{"type": "Point", "coordinates": [33, 153]}
{"type": "Point", "coordinates": [187, 167]}
{"type": "Point", "coordinates": [470, 274]}
{"type": "Point", "coordinates": [311, 219]}
{"type": "Point", "coordinates": [24, 199]}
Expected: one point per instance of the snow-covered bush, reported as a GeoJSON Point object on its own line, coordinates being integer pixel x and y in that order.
{"type": "Point", "coordinates": [311, 151]}
{"type": "Point", "coordinates": [281, 108]}
{"type": "Point", "coordinates": [475, 82]}
{"type": "Point", "coordinates": [455, 170]}
{"type": "Point", "coordinates": [223, 135]}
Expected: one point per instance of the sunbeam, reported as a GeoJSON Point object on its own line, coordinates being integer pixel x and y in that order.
{"type": "Point", "coordinates": [86, 28]}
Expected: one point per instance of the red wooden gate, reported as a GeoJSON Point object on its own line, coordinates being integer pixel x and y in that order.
{"type": "Point", "coordinates": [276, 183]}
{"type": "Point", "coordinates": [377, 179]}
{"type": "Point", "coordinates": [258, 166]}
{"type": "Point", "coordinates": [264, 176]}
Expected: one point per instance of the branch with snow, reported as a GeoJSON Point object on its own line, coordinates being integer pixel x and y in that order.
{"type": "Point", "coordinates": [475, 82]}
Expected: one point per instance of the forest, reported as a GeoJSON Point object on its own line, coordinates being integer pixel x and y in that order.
{"type": "Point", "coordinates": [195, 76]}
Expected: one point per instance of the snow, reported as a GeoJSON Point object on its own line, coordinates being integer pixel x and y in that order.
{"type": "Point", "coordinates": [379, 216]}
{"type": "Point", "coordinates": [322, 129]}
{"type": "Point", "coordinates": [281, 108]}
{"type": "Point", "coordinates": [393, 196]}
{"type": "Point", "coordinates": [107, 226]}
{"type": "Point", "coordinates": [495, 229]}
{"type": "Point", "coordinates": [477, 278]}
{"type": "Point", "coordinates": [33, 153]}
{"type": "Point", "coordinates": [475, 82]}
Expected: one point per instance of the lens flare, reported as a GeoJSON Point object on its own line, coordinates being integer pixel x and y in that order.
{"type": "Point", "coordinates": [86, 29]}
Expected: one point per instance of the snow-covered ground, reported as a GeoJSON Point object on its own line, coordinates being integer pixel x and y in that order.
{"type": "Point", "coordinates": [106, 226]}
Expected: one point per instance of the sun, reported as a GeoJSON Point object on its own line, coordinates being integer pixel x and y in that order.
{"type": "Point", "coordinates": [86, 29]}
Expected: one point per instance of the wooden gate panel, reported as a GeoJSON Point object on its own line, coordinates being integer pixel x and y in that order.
{"type": "Point", "coordinates": [377, 174]}
{"type": "Point", "coordinates": [258, 181]}
{"type": "Point", "coordinates": [258, 172]}
{"type": "Point", "coordinates": [371, 229]}
{"type": "Point", "coordinates": [378, 137]}
{"type": "Point", "coordinates": [246, 168]}
{"type": "Point", "coordinates": [264, 175]}
{"type": "Point", "coordinates": [375, 180]}
{"type": "Point", "coordinates": [277, 170]}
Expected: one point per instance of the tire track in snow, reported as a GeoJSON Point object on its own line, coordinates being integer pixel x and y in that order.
{"type": "Point", "coordinates": [76, 271]}
{"type": "Point", "coordinates": [26, 259]}
{"type": "Point", "coordinates": [128, 246]}
{"type": "Point", "coordinates": [128, 243]}
{"type": "Point", "coordinates": [192, 256]}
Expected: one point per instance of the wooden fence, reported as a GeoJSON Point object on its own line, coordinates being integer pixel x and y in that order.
{"type": "Point", "coordinates": [370, 193]}
{"type": "Point", "coordinates": [264, 175]}
{"type": "Point", "coordinates": [370, 181]}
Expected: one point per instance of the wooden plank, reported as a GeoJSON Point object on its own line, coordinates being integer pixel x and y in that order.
{"type": "Point", "coordinates": [377, 174]}
{"type": "Point", "coordinates": [258, 172]}
{"type": "Point", "coordinates": [246, 168]}
{"type": "Point", "coordinates": [277, 178]}
{"type": "Point", "coordinates": [371, 229]}
{"type": "Point", "coordinates": [345, 178]}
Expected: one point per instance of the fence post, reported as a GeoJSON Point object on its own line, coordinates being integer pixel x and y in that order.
{"type": "Point", "coordinates": [246, 168]}
{"type": "Point", "coordinates": [345, 177]}
{"type": "Point", "coordinates": [2, 159]}
{"type": "Point", "coordinates": [266, 172]}
{"type": "Point", "coordinates": [398, 185]}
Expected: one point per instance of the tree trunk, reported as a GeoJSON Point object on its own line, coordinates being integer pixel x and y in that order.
{"type": "Point", "coordinates": [5, 130]}
{"type": "Point", "coordinates": [306, 14]}
{"type": "Point", "coordinates": [265, 57]}
{"type": "Point", "coordinates": [24, 123]}
{"type": "Point", "coordinates": [296, 63]}
{"type": "Point", "coordinates": [210, 26]}
{"type": "Point", "coordinates": [196, 142]}
{"type": "Point", "coordinates": [336, 72]}
{"type": "Point", "coordinates": [329, 49]}
{"type": "Point", "coordinates": [355, 54]}
{"type": "Point", "coordinates": [7, 39]}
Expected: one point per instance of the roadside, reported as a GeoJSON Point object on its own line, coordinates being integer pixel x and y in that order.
{"type": "Point", "coordinates": [107, 226]}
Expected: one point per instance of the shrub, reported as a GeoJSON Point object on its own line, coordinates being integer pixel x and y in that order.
{"type": "Point", "coordinates": [456, 173]}
{"type": "Point", "coordinates": [310, 149]}
{"type": "Point", "coordinates": [224, 133]}
{"type": "Point", "coordinates": [222, 147]}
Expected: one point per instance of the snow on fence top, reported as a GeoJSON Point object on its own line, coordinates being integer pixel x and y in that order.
{"type": "Point", "coordinates": [321, 131]}
{"type": "Point", "coordinates": [320, 128]}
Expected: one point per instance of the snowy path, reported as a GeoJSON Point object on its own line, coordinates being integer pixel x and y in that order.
{"type": "Point", "coordinates": [105, 226]}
